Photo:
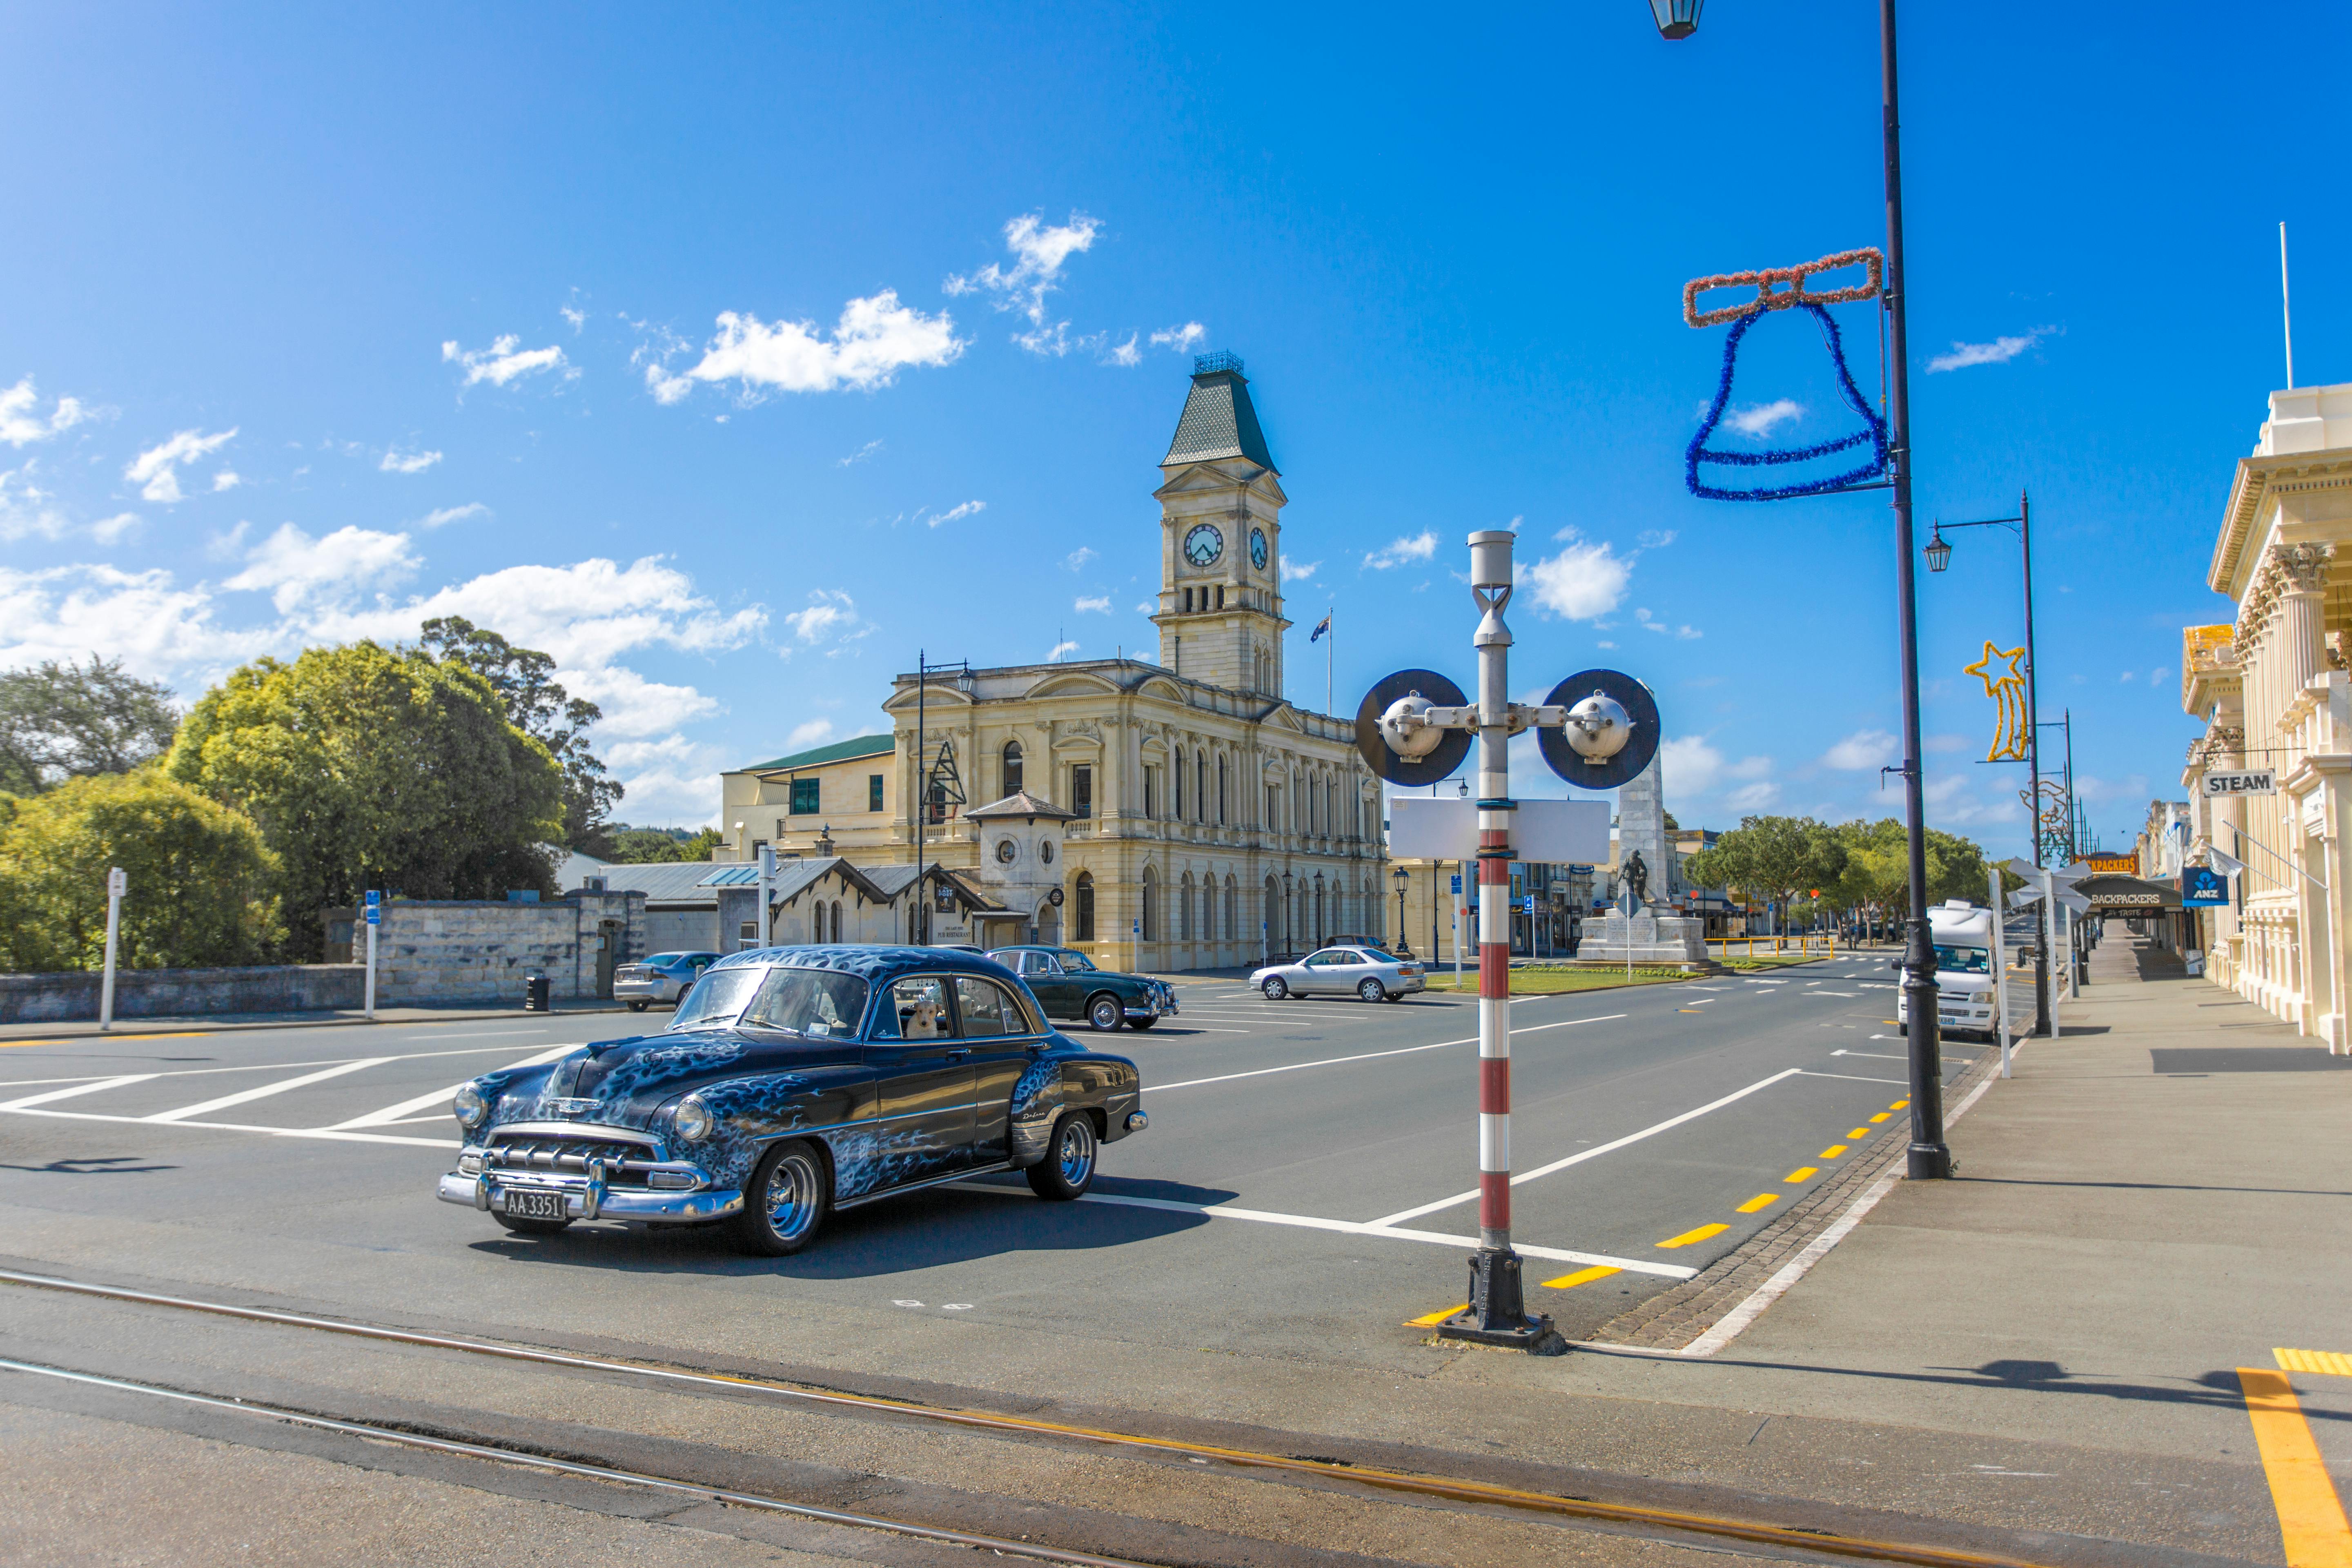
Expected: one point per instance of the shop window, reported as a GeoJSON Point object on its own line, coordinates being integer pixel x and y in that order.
{"type": "Point", "coordinates": [1083, 922]}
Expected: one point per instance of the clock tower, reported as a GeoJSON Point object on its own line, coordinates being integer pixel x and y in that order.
{"type": "Point", "coordinates": [1220, 539]}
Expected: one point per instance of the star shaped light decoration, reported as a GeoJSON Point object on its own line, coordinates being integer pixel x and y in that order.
{"type": "Point", "coordinates": [1982, 669]}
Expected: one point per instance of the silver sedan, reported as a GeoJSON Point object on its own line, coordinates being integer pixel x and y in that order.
{"type": "Point", "coordinates": [1365, 971]}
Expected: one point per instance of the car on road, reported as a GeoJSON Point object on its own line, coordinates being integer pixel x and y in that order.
{"type": "Point", "coordinates": [1371, 972]}
{"type": "Point", "coordinates": [794, 1082]}
{"type": "Point", "coordinates": [1965, 990]}
{"type": "Point", "coordinates": [1068, 986]}
{"type": "Point", "coordinates": [664, 977]}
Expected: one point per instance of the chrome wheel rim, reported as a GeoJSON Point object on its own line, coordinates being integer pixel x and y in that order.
{"type": "Point", "coordinates": [1074, 1151]}
{"type": "Point", "coordinates": [791, 1197]}
{"type": "Point", "coordinates": [1370, 991]}
{"type": "Point", "coordinates": [1106, 1015]}
{"type": "Point", "coordinates": [1275, 989]}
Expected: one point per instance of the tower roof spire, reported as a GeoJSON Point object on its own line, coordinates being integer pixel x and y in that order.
{"type": "Point", "coordinates": [1219, 420]}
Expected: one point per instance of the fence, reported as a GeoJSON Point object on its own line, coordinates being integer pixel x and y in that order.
{"type": "Point", "coordinates": [1823, 944]}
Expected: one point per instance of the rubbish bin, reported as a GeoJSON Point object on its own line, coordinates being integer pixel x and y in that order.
{"type": "Point", "coordinates": [535, 989]}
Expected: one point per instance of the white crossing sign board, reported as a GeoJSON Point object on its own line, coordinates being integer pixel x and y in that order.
{"type": "Point", "coordinates": [118, 882]}
{"type": "Point", "coordinates": [2253, 781]}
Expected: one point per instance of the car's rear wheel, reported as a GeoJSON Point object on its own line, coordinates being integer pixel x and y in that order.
{"type": "Point", "coordinates": [637, 1006]}
{"type": "Point", "coordinates": [1069, 1168]}
{"type": "Point", "coordinates": [784, 1202]}
{"type": "Point", "coordinates": [1104, 1013]}
{"type": "Point", "coordinates": [1372, 991]}
{"type": "Point", "coordinates": [1273, 988]}
{"type": "Point", "coordinates": [531, 1227]}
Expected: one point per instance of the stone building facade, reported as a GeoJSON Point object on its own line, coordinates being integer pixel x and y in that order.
{"type": "Point", "coordinates": [1177, 813]}
{"type": "Point", "coordinates": [2273, 691]}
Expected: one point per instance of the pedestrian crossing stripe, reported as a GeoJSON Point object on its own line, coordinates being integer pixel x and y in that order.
{"type": "Point", "coordinates": [2334, 1363]}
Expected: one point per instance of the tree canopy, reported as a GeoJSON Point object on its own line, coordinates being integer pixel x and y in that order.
{"type": "Point", "coordinates": [659, 845]}
{"type": "Point", "coordinates": [201, 883]}
{"type": "Point", "coordinates": [1854, 865]}
{"type": "Point", "coordinates": [368, 767]}
{"type": "Point", "coordinates": [67, 720]}
{"type": "Point", "coordinates": [539, 705]}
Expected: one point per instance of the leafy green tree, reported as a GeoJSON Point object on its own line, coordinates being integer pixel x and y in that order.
{"type": "Point", "coordinates": [202, 882]}
{"type": "Point", "coordinates": [69, 720]}
{"type": "Point", "coordinates": [660, 845]}
{"type": "Point", "coordinates": [368, 767]}
{"type": "Point", "coordinates": [1771, 859]}
{"type": "Point", "coordinates": [538, 705]}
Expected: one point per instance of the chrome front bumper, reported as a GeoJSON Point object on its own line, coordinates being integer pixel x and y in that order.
{"type": "Point", "coordinates": [586, 1198]}
{"type": "Point", "coordinates": [1161, 1003]}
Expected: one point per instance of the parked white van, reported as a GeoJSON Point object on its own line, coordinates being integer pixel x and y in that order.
{"type": "Point", "coordinates": [1964, 976]}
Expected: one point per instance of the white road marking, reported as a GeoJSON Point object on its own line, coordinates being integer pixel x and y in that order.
{"type": "Point", "coordinates": [1578, 1158]}
{"type": "Point", "coordinates": [407, 1108]}
{"type": "Point", "coordinates": [1350, 1227]}
{"type": "Point", "coordinates": [205, 1108]}
{"type": "Point", "coordinates": [329, 1134]}
{"type": "Point", "coordinates": [1849, 1078]}
{"type": "Point", "coordinates": [1366, 1057]}
{"type": "Point", "coordinates": [1875, 1056]}
{"type": "Point", "coordinates": [261, 1066]}
{"type": "Point", "coordinates": [31, 1101]}
{"type": "Point", "coordinates": [1832, 993]}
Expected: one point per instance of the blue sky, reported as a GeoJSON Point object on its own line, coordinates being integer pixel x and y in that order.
{"type": "Point", "coordinates": [732, 355]}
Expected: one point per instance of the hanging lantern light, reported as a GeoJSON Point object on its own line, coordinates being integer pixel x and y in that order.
{"type": "Point", "coordinates": [1939, 553]}
{"type": "Point", "coordinates": [1676, 18]}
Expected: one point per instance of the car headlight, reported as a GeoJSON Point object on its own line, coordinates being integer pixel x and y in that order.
{"type": "Point", "coordinates": [692, 1120]}
{"type": "Point", "coordinates": [470, 1107]}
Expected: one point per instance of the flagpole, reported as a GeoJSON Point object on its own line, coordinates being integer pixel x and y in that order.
{"type": "Point", "coordinates": [1331, 640]}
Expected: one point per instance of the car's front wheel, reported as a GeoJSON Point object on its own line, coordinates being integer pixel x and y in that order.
{"type": "Point", "coordinates": [1104, 1013]}
{"type": "Point", "coordinates": [1141, 1023]}
{"type": "Point", "coordinates": [1273, 988]}
{"type": "Point", "coordinates": [784, 1202]}
{"type": "Point", "coordinates": [1372, 991]}
{"type": "Point", "coordinates": [531, 1227]}
{"type": "Point", "coordinates": [1069, 1168]}
{"type": "Point", "coordinates": [637, 1006]}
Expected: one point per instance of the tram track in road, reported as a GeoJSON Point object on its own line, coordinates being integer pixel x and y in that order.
{"type": "Point", "coordinates": [1592, 1503]}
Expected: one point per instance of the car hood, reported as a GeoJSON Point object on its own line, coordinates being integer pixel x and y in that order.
{"type": "Point", "coordinates": [632, 1078]}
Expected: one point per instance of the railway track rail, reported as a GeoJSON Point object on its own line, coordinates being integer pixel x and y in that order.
{"type": "Point", "coordinates": [1665, 1524]}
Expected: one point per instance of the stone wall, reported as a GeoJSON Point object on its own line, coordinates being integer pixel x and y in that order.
{"type": "Point", "coordinates": [167, 992]}
{"type": "Point", "coordinates": [434, 952]}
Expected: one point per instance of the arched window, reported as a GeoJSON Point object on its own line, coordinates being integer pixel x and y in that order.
{"type": "Point", "coordinates": [1184, 909]}
{"type": "Point", "coordinates": [1176, 776]}
{"type": "Point", "coordinates": [1201, 786]}
{"type": "Point", "coordinates": [1013, 767]}
{"type": "Point", "coordinates": [1273, 907]}
{"type": "Point", "coordinates": [1221, 791]}
{"type": "Point", "coordinates": [837, 919]}
{"type": "Point", "coordinates": [1149, 923]}
{"type": "Point", "coordinates": [1232, 911]}
{"type": "Point", "coordinates": [1082, 924]}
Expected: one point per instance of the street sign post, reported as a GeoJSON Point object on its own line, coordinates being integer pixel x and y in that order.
{"type": "Point", "coordinates": [1597, 728]}
{"type": "Point", "coordinates": [117, 883]}
{"type": "Point", "coordinates": [374, 919]}
{"type": "Point", "coordinates": [2000, 966]}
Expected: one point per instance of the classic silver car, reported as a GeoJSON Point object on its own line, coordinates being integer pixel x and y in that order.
{"type": "Point", "coordinates": [664, 977]}
{"type": "Point", "coordinates": [1367, 971]}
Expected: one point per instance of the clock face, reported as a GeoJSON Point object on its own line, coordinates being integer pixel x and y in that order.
{"type": "Point", "coordinates": [1257, 547]}
{"type": "Point", "coordinates": [1204, 545]}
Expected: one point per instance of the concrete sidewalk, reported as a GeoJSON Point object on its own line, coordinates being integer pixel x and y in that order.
{"type": "Point", "coordinates": [208, 1023]}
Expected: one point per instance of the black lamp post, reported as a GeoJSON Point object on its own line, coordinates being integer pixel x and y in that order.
{"type": "Point", "coordinates": [1404, 879]}
{"type": "Point", "coordinates": [1930, 1156]}
{"type": "Point", "coordinates": [1939, 555]}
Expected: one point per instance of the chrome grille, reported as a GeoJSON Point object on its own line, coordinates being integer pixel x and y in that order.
{"type": "Point", "coordinates": [569, 1156]}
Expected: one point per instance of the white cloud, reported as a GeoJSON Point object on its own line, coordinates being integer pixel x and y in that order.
{"type": "Point", "coordinates": [2128, 675]}
{"type": "Point", "coordinates": [957, 513]}
{"type": "Point", "coordinates": [505, 361]}
{"type": "Point", "coordinates": [875, 339]}
{"type": "Point", "coordinates": [1760, 420]}
{"type": "Point", "coordinates": [1298, 570]}
{"type": "Point", "coordinates": [860, 454]}
{"type": "Point", "coordinates": [1583, 581]}
{"type": "Point", "coordinates": [399, 462]}
{"type": "Point", "coordinates": [815, 733]}
{"type": "Point", "coordinates": [2160, 677]}
{"type": "Point", "coordinates": [158, 630]}
{"type": "Point", "coordinates": [1688, 765]}
{"type": "Point", "coordinates": [1098, 602]}
{"type": "Point", "coordinates": [635, 706]}
{"type": "Point", "coordinates": [1692, 771]}
{"type": "Point", "coordinates": [116, 529]}
{"type": "Point", "coordinates": [1147, 608]}
{"type": "Point", "coordinates": [2000, 350]}
{"type": "Point", "coordinates": [1124, 354]}
{"type": "Point", "coordinates": [25, 508]}
{"type": "Point", "coordinates": [1420, 546]}
{"type": "Point", "coordinates": [1752, 797]}
{"type": "Point", "coordinates": [20, 424]}
{"type": "Point", "coordinates": [442, 517]}
{"type": "Point", "coordinates": [830, 612]}
{"type": "Point", "coordinates": [1080, 557]}
{"type": "Point", "coordinates": [1183, 338]}
{"type": "Point", "coordinates": [1061, 649]}
{"type": "Point", "coordinates": [301, 571]}
{"type": "Point", "coordinates": [1864, 751]}
{"type": "Point", "coordinates": [157, 470]}
{"type": "Point", "coordinates": [1654, 539]}
{"type": "Point", "coordinates": [1039, 249]}
{"type": "Point", "coordinates": [1667, 628]}
{"type": "Point", "coordinates": [1606, 644]}
{"type": "Point", "coordinates": [573, 314]}
{"type": "Point", "coordinates": [226, 479]}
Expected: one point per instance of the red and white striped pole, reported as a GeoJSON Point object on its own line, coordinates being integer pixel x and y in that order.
{"type": "Point", "coordinates": [1498, 1310]}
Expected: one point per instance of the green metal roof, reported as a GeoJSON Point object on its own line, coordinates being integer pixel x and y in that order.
{"type": "Point", "coordinates": [839, 751]}
{"type": "Point", "coordinates": [1219, 420]}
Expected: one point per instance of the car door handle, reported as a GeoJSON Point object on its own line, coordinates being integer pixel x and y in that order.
{"type": "Point", "coordinates": [957, 1054]}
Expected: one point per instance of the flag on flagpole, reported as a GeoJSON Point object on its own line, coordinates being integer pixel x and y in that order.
{"type": "Point", "coordinates": [1321, 627]}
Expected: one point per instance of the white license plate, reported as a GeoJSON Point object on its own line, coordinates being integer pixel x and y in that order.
{"type": "Point", "coordinates": [526, 1202]}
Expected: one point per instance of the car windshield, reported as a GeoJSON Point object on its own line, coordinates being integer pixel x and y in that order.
{"type": "Point", "coordinates": [820, 1002]}
{"type": "Point", "coordinates": [1076, 962]}
{"type": "Point", "coordinates": [1379, 955]}
{"type": "Point", "coordinates": [1963, 959]}
{"type": "Point", "coordinates": [665, 958]}
{"type": "Point", "coordinates": [716, 997]}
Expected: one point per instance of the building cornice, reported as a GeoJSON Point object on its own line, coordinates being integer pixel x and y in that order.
{"type": "Point", "coordinates": [2256, 477]}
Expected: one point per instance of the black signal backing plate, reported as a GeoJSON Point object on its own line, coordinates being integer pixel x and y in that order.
{"type": "Point", "coordinates": [1640, 706]}
{"type": "Point", "coordinates": [1441, 762]}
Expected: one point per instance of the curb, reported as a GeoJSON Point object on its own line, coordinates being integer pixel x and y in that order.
{"type": "Point", "coordinates": [79, 1029]}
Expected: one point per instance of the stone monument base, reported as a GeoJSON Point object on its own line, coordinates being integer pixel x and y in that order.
{"type": "Point", "coordinates": [1646, 938]}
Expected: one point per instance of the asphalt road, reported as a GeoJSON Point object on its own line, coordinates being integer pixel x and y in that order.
{"type": "Point", "coordinates": [1304, 1190]}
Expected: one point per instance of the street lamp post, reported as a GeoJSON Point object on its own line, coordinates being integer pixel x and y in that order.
{"type": "Point", "coordinates": [1939, 556]}
{"type": "Point", "coordinates": [1403, 877]}
{"type": "Point", "coordinates": [1930, 1156]}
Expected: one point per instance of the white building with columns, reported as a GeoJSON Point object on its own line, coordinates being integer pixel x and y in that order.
{"type": "Point", "coordinates": [2273, 693]}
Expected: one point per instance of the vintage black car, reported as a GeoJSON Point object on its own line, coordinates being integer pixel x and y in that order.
{"type": "Point", "coordinates": [1070, 986]}
{"type": "Point", "coordinates": [794, 1081]}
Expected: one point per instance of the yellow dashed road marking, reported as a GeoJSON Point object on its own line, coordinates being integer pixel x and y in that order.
{"type": "Point", "coordinates": [2336, 1364]}
{"type": "Point", "coordinates": [1858, 1132]}
{"type": "Point", "coordinates": [1898, 1105]}
{"type": "Point", "coordinates": [1881, 1116]}
{"type": "Point", "coordinates": [1581, 1277]}
{"type": "Point", "coordinates": [1701, 1234]}
{"type": "Point", "coordinates": [1759, 1203]}
{"type": "Point", "coordinates": [2311, 1517]}
{"type": "Point", "coordinates": [1803, 1172]}
{"type": "Point", "coordinates": [1833, 1151]}
{"type": "Point", "coordinates": [1431, 1320]}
